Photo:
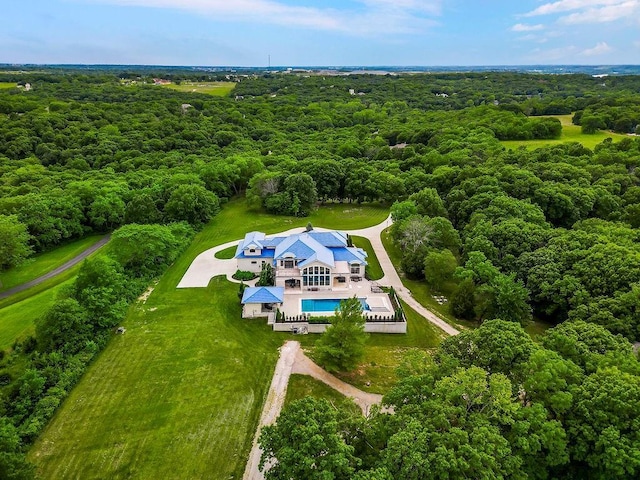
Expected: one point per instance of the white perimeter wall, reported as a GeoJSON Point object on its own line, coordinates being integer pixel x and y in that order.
{"type": "Point", "coordinates": [370, 327]}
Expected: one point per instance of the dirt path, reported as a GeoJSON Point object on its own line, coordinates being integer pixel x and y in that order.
{"type": "Point", "coordinates": [305, 366]}
{"type": "Point", "coordinates": [273, 405]}
{"type": "Point", "coordinates": [293, 360]}
{"type": "Point", "coordinates": [65, 266]}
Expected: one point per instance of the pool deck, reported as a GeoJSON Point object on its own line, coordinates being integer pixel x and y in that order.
{"type": "Point", "coordinates": [293, 299]}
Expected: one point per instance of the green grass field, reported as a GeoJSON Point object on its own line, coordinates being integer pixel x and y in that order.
{"type": "Point", "coordinates": [302, 386]}
{"type": "Point", "coordinates": [17, 320]}
{"type": "Point", "coordinates": [218, 89]}
{"type": "Point", "coordinates": [180, 393]}
{"type": "Point", "coordinates": [227, 253]}
{"type": "Point", "coordinates": [7, 85]}
{"type": "Point", "coordinates": [45, 262]}
{"type": "Point", "coordinates": [570, 133]}
{"type": "Point", "coordinates": [384, 353]}
{"type": "Point", "coordinates": [373, 267]}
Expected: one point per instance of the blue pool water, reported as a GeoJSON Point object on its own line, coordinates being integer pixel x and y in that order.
{"type": "Point", "coordinates": [310, 305]}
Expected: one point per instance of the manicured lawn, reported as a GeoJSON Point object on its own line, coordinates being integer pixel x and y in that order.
{"type": "Point", "coordinates": [17, 320]}
{"type": "Point", "coordinates": [570, 133]}
{"type": "Point", "coordinates": [302, 386]}
{"type": "Point", "coordinates": [237, 218]}
{"type": "Point", "coordinates": [180, 393]}
{"type": "Point", "coordinates": [45, 262]}
{"type": "Point", "coordinates": [373, 267]}
{"type": "Point", "coordinates": [218, 89]}
{"type": "Point", "coordinates": [177, 396]}
{"type": "Point", "coordinates": [227, 253]}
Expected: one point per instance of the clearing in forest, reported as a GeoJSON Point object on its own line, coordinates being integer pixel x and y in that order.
{"type": "Point", "coordinates": [570, 133]}
{"type": "Point", "coordinates": [218, 89]}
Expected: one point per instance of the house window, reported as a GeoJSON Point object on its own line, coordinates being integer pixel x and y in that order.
{"type": "Point", "coordinates": [355, 269]}
{"type": "Point", "coordinates": [316, 276]}
{"type": "Point", "coordinates": [254, 262]}
{"type": "Point", "coordinates": [252, 250]}
{"type": "Point", "coordinates": [288, 264]}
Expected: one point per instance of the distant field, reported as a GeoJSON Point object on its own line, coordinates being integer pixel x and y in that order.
{"type": "Point", "coordinates": [7, 85]}
{"type": "Point", "coordinates": [218, 89]}
{"type": "Point", "coordinates": [570, 133]}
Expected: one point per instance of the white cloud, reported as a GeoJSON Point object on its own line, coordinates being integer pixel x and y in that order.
{"type": "Point", "coordinates": [374, 17]}
{"type": "Point", "coordinates": [604, 14]}
{"type": "Point", "coordinates": [589, 11]}
{"type": "Point", "coordinates": [567, 6]}
{"type": "Point", "coordinates": [521, 27]}
{"type": "Point", "coordinates": [599, 49]}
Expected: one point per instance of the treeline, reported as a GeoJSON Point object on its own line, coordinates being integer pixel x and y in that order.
{"type": "Point", "coordinates": [40, 371]}
{"type": "Point", "coordinates": [489, 403]}
{"type": "Point", "coordinates": [551, 233]}
{"type": "Point", "coordinates": [621, 115]}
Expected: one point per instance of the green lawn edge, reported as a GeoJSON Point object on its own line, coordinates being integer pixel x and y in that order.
{"type": "Point", "coordinates": [44, 263]}
{"type": "Point", "coordinates": [373, 268]}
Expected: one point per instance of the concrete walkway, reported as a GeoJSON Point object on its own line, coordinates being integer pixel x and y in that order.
{"type": "Point", "coordinates": [293, 360]}
{"type": "Point", "coordinates": [206, 266]}
{"type": "Point", "coordinates": [65, 266]}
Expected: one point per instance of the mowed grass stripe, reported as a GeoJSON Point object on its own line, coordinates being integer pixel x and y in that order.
{"type": "Point", "coordinates": [171, 398]}
{"type": "Point", "coordinates": [180, 393]}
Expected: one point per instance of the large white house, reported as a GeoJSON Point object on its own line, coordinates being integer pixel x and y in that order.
{"type": "Point", "coordinates": [308, 261]}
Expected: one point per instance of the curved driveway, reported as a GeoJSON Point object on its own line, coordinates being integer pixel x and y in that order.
{"type": "Point", "coordinates": [205, 266]}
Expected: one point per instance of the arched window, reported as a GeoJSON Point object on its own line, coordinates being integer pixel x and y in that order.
{"type": "Point", "coordinates": [316, 276]}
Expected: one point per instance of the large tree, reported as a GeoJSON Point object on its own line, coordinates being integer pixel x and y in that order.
{"type": "Point", "coordinates": [305, 443]}
{"type": "Point", "coordinates": [14, 241]}
{"type": "Point", "coordinates": [341, 346]}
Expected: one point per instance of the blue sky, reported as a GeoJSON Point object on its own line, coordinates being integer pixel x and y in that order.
{"type": "Point", "coordinates": [333, 32]}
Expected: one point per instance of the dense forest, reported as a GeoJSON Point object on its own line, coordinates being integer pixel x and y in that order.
{"type": "Point", "coordinates": [550, 233]}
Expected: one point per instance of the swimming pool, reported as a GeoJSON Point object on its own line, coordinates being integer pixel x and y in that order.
{"type": "Point", "coordinates": [311, 305]}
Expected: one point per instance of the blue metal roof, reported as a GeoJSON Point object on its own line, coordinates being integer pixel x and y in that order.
{"type": "Point", "coordinates": [303, 247]}
{"type": "Point", "coordinates": [253, 238]}
{"type": "Point", "coordinates": [330, 239]}
{"type": "Point", "coordinates": [263, 295]}
{"type": "Point", "coordinates": [266, 253]}
{"type": "Point", "coordinates": [349, 254]}
{"type": "Point", "coordinates": [272, 242]}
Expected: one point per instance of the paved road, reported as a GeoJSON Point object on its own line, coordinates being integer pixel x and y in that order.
{"type": "Point", "coordinates": [66, 266]}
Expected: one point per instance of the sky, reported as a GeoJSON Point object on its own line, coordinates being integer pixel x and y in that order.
{"type": "Point", "coordinates": [327, 33]}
